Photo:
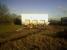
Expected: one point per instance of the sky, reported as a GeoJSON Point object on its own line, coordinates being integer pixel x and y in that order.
{"type": "Point", "coordinates": [50, 7]}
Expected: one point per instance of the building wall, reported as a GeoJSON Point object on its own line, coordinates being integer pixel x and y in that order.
{"type": "Point", "coordinates": [34, 18]}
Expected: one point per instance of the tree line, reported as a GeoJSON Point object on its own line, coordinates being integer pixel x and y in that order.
{"type": "Point", "coordinates": [6, 17]}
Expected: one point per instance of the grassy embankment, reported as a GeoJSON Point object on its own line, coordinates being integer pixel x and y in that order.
{"type": "Point", "coordinates": [8, 30]}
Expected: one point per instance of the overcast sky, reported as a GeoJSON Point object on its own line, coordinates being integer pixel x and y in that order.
{"type": "Point", "coordinates": [50, 7]}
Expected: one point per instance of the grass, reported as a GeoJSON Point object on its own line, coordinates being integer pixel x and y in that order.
{"type": "Point", "coordinates": [7, 30]}
{"type": "Point", "coordinates": [37, 39]}
{"type": "Point", "coordinates": [36, 42]}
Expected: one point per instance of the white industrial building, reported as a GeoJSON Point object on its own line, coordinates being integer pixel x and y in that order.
{"type": "Point", "coordinates": [34, 19]}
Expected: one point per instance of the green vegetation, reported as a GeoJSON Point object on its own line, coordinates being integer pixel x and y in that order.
{"type": "Point", "coordinates": [6, 28]}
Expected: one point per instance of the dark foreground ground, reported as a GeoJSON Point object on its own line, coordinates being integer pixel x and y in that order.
{"type": "Point", "coordinates": [36, 39]}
